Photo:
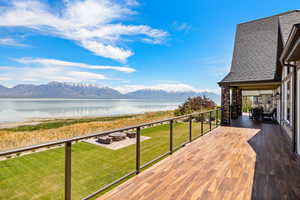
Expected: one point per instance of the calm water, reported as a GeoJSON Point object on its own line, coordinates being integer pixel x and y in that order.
{"type": "Point", "coordinates": [15, 110]}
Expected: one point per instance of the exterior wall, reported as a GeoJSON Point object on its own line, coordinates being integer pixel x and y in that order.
{"type": "Point", "coordinates": [278, 104]}
{"type": "Point", "coordinates": [225, 103]}
{"type": "Point", "coordinates": [234, 107]}
{"type": "Point", "coordinates": [297, 123]}
{"type": "Point", "coordinates": [239, 102]}
{"type": "Point", "coordinates": [298, 109]}
{"type": "Point", "coordinates": [236, 102]}
{"type": "Point", "coordinates": [287, 106]}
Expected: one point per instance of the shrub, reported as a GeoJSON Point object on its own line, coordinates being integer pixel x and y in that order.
{"type": "Point", "coordinates": [200, 118]}
{"type": "Point", "coordinates": [195, 104]}
{"type": "Point", "coordinates": [246, 107]}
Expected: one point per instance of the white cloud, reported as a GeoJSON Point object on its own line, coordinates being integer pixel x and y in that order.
{"type": "Point", "coordinates": [87, 75]}
{"type": "Point", "coordinates": [5, 79]}
{"type": "Point", "coordinates": [7, 41]}
{"type": "Point", "coordinates": [132, 2]}
{"type": "Point", "coordinates": [181, 26]}
{"type": "Point", "coordinates": [61, 63]}
{"type": "Point", "coordinates": [47, 74]}
{"type": "Point", "coordinates": [176, 87]}
{"type": "Point", "coordinates": [94, 25]}
{"type": "Point", "coordinates": [107, 51]}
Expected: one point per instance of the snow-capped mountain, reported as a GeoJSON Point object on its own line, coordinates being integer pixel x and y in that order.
{"type": "Point", "coordinates": [75, 90]}
{"type": "Point", "coordinates": [60, 90]}
{"type": "Point", "coordinates": [162, 94]}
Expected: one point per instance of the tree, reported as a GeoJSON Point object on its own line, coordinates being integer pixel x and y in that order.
{"type": "Point", "coordinates": [193, 104]}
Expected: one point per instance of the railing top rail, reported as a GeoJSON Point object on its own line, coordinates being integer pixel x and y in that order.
{"type": "Point", "coordinates": [74, 139]}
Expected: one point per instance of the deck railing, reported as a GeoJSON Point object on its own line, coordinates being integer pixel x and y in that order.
{"type": "Point", "coordinates": [68, 145]}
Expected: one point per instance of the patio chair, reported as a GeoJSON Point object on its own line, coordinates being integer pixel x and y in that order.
{"type": "Point", "coordinates": [270, 115]}
{"type": "Point", "coordinates": [256, 113]}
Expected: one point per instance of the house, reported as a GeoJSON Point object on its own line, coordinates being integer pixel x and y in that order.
{"type": "Point", "coordinates": [245, 159]}
{"type": "Point", "coordinates": [266, 57]}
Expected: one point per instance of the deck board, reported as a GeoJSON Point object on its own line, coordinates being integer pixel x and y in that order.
{"type": "Point", "coordinates": [246, 161]}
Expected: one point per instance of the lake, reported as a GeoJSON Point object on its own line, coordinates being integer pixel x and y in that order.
{"type": "Point", "coordinates": [19, 110]}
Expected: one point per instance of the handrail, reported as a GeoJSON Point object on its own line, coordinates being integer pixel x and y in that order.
{"type": "Point", "coordinates": [68, 147]}
{"type": "Point", "coordinates": [77, 138]}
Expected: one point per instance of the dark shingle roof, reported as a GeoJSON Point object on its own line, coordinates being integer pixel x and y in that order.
{"type": "Point", "coordinates": [258, 45]}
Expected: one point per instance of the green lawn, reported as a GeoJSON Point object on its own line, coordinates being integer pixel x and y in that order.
{"type": "Point", "coordinates": [41, 175]}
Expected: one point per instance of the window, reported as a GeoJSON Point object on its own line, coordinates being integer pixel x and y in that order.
{"type": "Point", "coordinates": [288, 101]}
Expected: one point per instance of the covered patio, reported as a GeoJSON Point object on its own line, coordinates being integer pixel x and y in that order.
{"type": "Point", "coordinates": [232, 95]}
{"type": "Point", "coordinates": [249, 160]}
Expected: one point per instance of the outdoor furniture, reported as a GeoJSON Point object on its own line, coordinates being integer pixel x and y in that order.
{"type": "Point", "coordinates": [118, 136]}
{"type": "Point", "coordinates": [257, 113]}
{"type": "Point", "coordinates": [131, 134]}
{"type": "Point", "coordinates": [270, 115]}
{"type": "Point", "coordinates": [250, 113]}
{"type": "Point", "coordinates": [104, 140]}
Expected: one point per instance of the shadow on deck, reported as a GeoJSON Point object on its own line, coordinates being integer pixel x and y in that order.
{"type": "Point", "coordinates": [248, 160]}
{"type": "Point", "coordinates": [277, 168]}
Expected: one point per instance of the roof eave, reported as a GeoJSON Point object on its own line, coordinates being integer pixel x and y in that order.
{"type": "Point", "coordinates": [249, 81]}
{"type": "Point", "coordinates": [291, 50]}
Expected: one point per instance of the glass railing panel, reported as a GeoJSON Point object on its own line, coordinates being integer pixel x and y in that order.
{"type": "Point", "coordinates": [206, 123]}
{"type": "Point", "coordinates": [155, 141]}
{"type": "Point", "coordinates": [197, 125]}
{"type": "Point", "coordinates": [181, 131]}
{"type": "Point", "coordinates": [95, 164]}
{"type": "Point", "coordinates": [35, 174]}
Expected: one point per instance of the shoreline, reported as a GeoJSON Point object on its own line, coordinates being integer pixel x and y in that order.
{"type": "Point", "coordinates": [41, 120]}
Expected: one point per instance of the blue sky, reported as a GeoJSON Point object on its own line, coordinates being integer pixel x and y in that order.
{"type": "Point", "coordinates": [125, 44]}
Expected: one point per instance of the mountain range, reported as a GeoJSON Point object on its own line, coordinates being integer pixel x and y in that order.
{"type": "Point", "coordinates": [67, 90]}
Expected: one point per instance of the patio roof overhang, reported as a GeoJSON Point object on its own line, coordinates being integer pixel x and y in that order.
{"type": "Point", "coordinates": [254, 85]}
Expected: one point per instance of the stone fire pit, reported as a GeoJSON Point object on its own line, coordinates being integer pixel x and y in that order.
{"type": "Point", "coordinates": [117, 136]}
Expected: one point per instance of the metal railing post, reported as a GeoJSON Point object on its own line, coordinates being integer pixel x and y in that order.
{"type": "Point", "coordinates": [190, 126]}
{"type": "Point", "coordinates": [202, 119]}
{"type": "Point", "coordinates": [138, 149]}
{"type": "Point", "coordinates": [171, 136]}
{"type": "Point", "coordinates": [217, 115]}
{"type": "Point", "coordinates": [210, 120]}
{"type": "Point", "coordinates": [68, 170]}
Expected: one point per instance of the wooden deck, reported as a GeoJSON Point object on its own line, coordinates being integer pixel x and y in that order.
{"type": "Point", "coordinates": [246, 161]}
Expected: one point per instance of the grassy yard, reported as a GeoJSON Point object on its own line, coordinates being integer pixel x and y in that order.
{"type": "Point", "coordinates": [41, 175]}
{"type": "Point", "coordinates": [66, 128]}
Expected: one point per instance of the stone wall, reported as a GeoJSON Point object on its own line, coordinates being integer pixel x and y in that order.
{"type": "Point", "coordinates": [234, 110]}
{"type": "Point", "coordinates": [225, 102]}
{"type": "Point", "coordinates": [239, 102]}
